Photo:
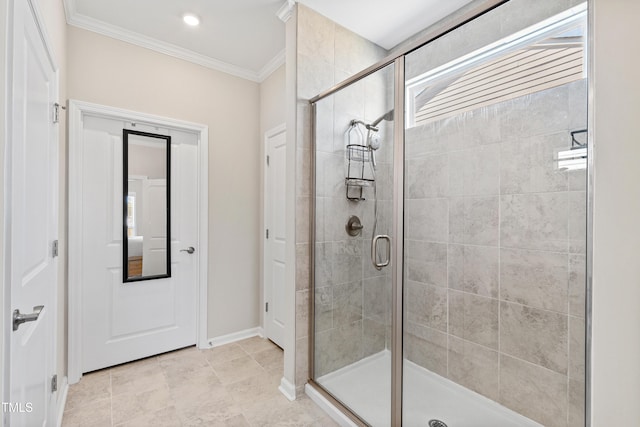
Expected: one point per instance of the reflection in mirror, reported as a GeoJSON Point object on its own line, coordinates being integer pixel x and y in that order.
{"type": "Point", "coordinates": [146, 237]}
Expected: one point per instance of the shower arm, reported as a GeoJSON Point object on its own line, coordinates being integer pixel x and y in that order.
{"type": "Point", "coordinates": [369, 127]}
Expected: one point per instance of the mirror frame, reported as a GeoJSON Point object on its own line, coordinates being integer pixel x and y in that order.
{"type": "Point", "coordinates": [125, 181]}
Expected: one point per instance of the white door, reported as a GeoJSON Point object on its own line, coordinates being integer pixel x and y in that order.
{"type": "Point", "coordinates": [122, 321]}
{"type": "Point", "coordinates": [33, 221]}
{"type": "Point", "coordinates": [275, 221]}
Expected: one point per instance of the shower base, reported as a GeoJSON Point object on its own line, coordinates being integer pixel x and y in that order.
{"type": "Point", "coordinates": [365, 387]}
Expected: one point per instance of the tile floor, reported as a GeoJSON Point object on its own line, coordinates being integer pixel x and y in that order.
{"type": "Point", "coordinates": [232, 385]}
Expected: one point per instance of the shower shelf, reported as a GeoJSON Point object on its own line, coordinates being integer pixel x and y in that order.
{"type": "Point", "coordinates": [358, 156]}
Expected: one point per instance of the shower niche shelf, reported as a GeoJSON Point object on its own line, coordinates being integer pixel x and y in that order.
{"type": "Point", "coordinates": [358, 157]}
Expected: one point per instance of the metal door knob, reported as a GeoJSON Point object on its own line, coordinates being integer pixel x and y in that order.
{"type": "Point", "coordinates": [19, 319]}
{"type": "Point", "coordinates": [189, 250]}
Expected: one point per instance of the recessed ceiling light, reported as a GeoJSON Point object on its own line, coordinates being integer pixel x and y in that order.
{"type": "Point", "coordinates": [191, 19]}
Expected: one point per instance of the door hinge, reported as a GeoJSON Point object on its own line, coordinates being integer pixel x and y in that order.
{"type": "Point", "coordinates": [54, 383]}
{"type": "Point", "coordinates": [56, 112]}
{"type": "Point", "coordinates": [267, 160]}
{"type": "Point", "coordinates": [54, 249]}
{"type": "Point", "coordinates": [266, 307]}
{"type": "Point", "coordinates": [267, 233]}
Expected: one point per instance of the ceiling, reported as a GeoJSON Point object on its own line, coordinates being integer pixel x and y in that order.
{"type": "Point", "coordinates": [245, 37]}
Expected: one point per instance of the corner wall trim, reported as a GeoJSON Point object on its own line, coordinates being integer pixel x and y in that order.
{"type": "Point", "coordinates": [235, 336]}
{"type": "Point", "coordinates": [288, 389]}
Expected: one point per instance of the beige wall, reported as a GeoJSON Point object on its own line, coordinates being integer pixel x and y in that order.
{"type": "Point", "coordinates": [616, 233]}
{"type": "Point", "coordinates": [110, 72]}
{"type": "Point", "coordinates": [272, 101]}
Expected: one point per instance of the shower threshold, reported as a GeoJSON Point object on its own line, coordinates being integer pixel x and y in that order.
{"type": "Point", "coordinates": [365, 387]}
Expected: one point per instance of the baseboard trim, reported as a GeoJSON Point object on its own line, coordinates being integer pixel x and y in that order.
{"type": "Point", "coordinates": [63, 391]}
{"type": "Point", "coordinates": [288, 389]}
{"type": "Point", "coordinates": [335, 414]}
{"type": "Point", "coordinates": [235, 336]}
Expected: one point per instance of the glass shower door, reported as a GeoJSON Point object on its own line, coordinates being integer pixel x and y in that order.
{"type": "Point", "coordinates": [352, 245]}
{"type": "Point", "coordinates": [495, 221]}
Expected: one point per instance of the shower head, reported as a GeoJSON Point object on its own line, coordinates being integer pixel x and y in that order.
{"type": "Point", "coordinates": [373, 140]}
{"type": "Point", "coordinates": [388, 116]}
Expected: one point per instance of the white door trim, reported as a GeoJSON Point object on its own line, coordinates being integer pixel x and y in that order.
{"type": "Point", "coordinates": [265, 218]}
{"type": "Point", "coordinates": [77, 109]}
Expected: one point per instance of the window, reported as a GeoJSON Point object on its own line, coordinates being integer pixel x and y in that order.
{"type": "Point", "coordinates": [549, 54]}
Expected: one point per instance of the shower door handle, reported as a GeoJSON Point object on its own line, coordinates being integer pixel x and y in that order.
{"type": "Point", "coordinates": [374, 251]}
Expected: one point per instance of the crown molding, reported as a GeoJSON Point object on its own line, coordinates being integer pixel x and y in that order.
{"type": "Point", "coordinates": [272, 66]}
{"type": "Point", "coordinates": [284, 13]}
{"type": "Point", "coordinates": [100, 27]}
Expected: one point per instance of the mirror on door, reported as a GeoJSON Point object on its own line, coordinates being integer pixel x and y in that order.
{"type": "Point", "coordinates": [146, 202]}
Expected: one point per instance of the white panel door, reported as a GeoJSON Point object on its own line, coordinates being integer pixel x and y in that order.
{"type": "Point", "coordinates": [276, 239]}
{"type": "Point", "coordinates": [33, 225]}
{"type": "Point", "coordinates": [121, 321]}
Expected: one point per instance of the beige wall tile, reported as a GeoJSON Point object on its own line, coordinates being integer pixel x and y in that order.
{"type": "Point", "coordinates": [475, 367]}
{"type": "Point", "coordinates": [302, 266]}
{"type": "Point", "coordinates": [426, 347]}
{"type": "Point", "coordinates": [426, 262]}
{"type": "Point", "coordinates": [474, 269]}
{"type": "Point", "coordinates": [377, 299]}
{"type": "Point", "coordinates": [427, 219]}
{"type": "Point", "coordinates": [577, 222]}
{"type": "Point", "coordinates": [577, 285]}
{"type": "Point", "coordinates": [323, 308]}
{"type": "Point", "coordinates": [474, 221]}
{"type": "Point", "coordinates": [427, 176]}
{"type": "Point", "coordinates": [426, 305]}
{"type": "Point", "coordinates": [316, 34]}
{"type": "Point", "coordinates": [534, 392]}
{"type": "Point", "coordinates": [534, 335]}
{"type": "Point", "coordinates": [534, 221]}
{"type": "Point", "coordinates": [528, 165]}
{"type": "Point", "coordinates": [576, 403]}
{"type": "Point", "coordinates": [347, 303]}
{"type": "Point", "coordinates": [302, 314]}
{"type": "Point", "coordinates": [577, 349]}
{"type": "Point", "coordinates": [533, 278]}
{"type": "Point", "coordinates": [475, 171]}
{"type": "Point", "coordinates": [474, 318]}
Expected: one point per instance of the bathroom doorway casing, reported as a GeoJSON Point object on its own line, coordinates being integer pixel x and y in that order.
{"type": "Point", "coordinates": [78, 111]}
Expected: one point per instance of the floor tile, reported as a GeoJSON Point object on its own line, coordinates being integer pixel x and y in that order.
{"type": "Point", "coordinates": [234, 385]}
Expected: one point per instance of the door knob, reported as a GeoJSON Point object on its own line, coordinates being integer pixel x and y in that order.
{"type": "Point", "coordinates": [189, 250]}
{"type": "Point", "coordinates": [19, 319]}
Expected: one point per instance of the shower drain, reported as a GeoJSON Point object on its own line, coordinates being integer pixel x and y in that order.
{"type": "Point", "coordinates": [437, 423]}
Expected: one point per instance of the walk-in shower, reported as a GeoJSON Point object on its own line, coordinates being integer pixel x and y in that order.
{"type": "Point", "coordinates": [449, 227]}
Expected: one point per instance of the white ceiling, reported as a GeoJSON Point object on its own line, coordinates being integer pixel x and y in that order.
{"type": "Point", "coordinates": [385, 22]}
{"type": "Point", "coordinates": [245, 37]}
